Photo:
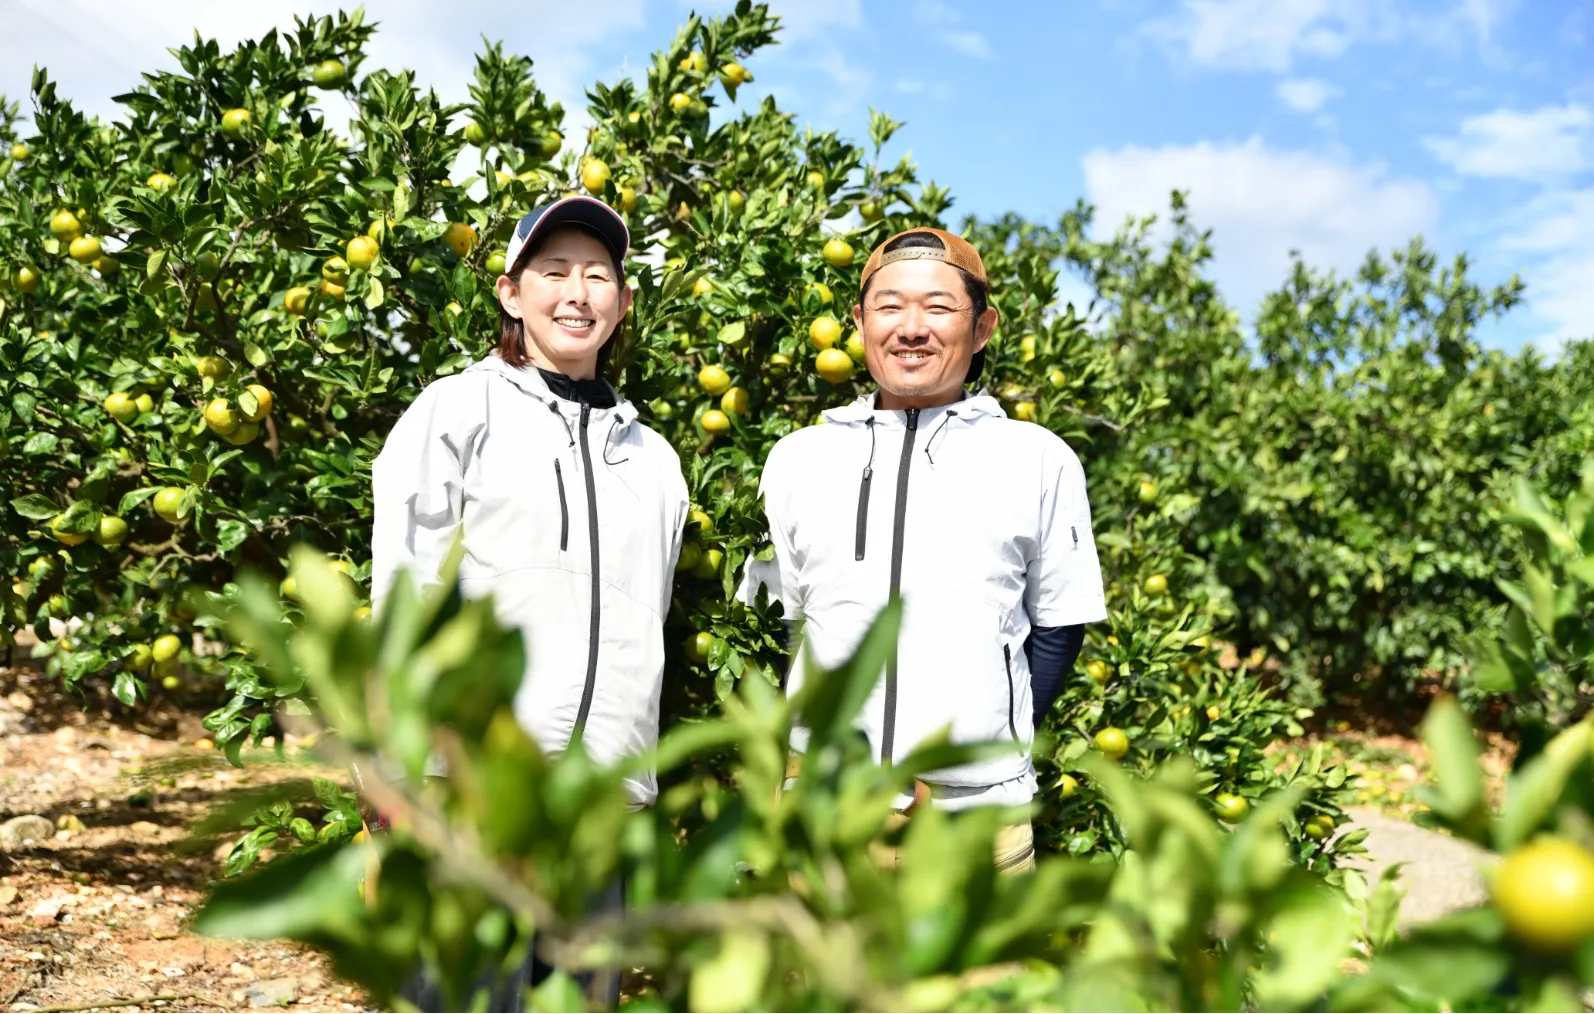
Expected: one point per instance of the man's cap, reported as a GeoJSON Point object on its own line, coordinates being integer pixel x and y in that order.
{"type": "Point", "coordinates": [956, 251]}
{"type": "Point", "coordinates": [587, 212]}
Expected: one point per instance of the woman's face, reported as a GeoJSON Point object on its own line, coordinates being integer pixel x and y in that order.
{"type": "Point", "coordinates": [568, 300]}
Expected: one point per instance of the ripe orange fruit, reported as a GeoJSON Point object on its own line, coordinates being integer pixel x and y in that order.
{"type": "Point", "coordinates": [1112, 742]}
{"type": "Point", "coordinates": [361, 252]}
{"type": "Point", "coordinates": [66, 538]}
{"type": "Point", "coordinates": [714, 421]}
{"type": "Point", "coordinates": [220, 417]}
{"type": "Point", "coordinates": [1213, 713]}
{"type": "Point", "coordinates": [1544, 890]}
{"type": "Point", "coordinates": [243, 434]}
{"type": "Point", "coordinates": [694, 62]}
{"type": "Point", "coordinates": [1147, 491]}
{"type": "Point", "coordinates": [834, 365]}
{"type": "Point", "coordinates": [263, 402]}
{"type": "Point", "coordinates": [1025, 411]}
{"type": "Point", "coordinates": [680, 102]}
{"type": "Point", "coordinates": [778, 362]}
{"type": "Point", "coordinates": [824, 332]}
{"type": "Point", "coordinates": [594, 174]}
{"type": "Point", "coordinates": [816, 178]}
{"type": "Point", "coordinates": [1057, 378]}
{"type": "Point", "coordinates": [160, 182]}
{"type": "Point", "coordinates": [1319, 826]}
{"type": "Point", "coordinates": [64, 225]}
{"type": "Point", "coordinates": [1067, 785]}
{"type": "Point", "coordinates": [1231, 808]}
{"type": "Point", "coordinates": [713, 380]}
{"type": "Point", "coordinates": [1098, 670]}
{"type": "Point", "coordinates": [166, 647]}
{"type": "Point", "coordinates": [819, 289]}
{"type": "Point", "coordinates": [736, 401]}
{"type": "Point", "coordinates": [708, 565]}
{"type": "Point", "coordinates": [837, 252]}
{"type": "Point", "coordinates": [702, 287]}
{"type": "Point", "coordinates": [854, 347]}
{"type": "Point", "coordinates": [734, 74]}
{"type": "Point", "coordinates": [85, 250]}
{"type": "Point", "coordinates": [26, 279]}
{"type": "Point", "coordinates": [1026, 345]}
{"type": "Point", "coordinates": [460, 238]}
{"type": "Point", "coordinates": [296, 300]}
{"type": "Point", "coordinates": [701, 519]}
{"type": "Point", "coordinates": [1157, 584]}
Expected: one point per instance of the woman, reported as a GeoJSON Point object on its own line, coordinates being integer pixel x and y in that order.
{"type": "Point", "coordinates": [572, 510]}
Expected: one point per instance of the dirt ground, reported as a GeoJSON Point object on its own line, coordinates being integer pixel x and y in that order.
{"type": "Point", "coordinates": [95, 914]}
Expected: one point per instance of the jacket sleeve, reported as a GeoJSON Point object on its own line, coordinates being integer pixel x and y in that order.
{"type": "Point", "coordinates": [417, 492]}
{"type": "Point", "coordinates": [1063, 586]}
{"type": "Point", "coordinates": [675, 484]}
{"type": "Point", "coordinates": [778, 574]}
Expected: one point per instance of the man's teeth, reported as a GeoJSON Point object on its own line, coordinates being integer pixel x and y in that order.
{"type": "Point", "coordinates": [912, 355]}
{"type": "Point", "coordinates": [574, 321]}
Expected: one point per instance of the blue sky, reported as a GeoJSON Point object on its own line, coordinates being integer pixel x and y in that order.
{"type": "Point", "coordinates": [1325, 126]}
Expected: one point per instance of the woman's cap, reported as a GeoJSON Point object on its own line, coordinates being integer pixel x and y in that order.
{"type": "Point", "coordinates": [588, 212]}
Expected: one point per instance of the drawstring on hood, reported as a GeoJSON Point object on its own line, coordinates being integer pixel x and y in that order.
{"type": "Point", "coordinates": [950, 415]}
{"type": "Point", "coordinates": [863, 496]}
{"type": "Point", "coordinates": [609, 440]}
{"type": "Point", "coordinates": [554, 408]}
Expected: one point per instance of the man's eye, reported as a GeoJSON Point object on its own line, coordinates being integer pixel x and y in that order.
{"type": "Point", "coordinates": [553, 274]}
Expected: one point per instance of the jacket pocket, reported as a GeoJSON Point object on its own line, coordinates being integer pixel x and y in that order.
{"type": "Point", "coordinates": [564, 507]}
{"type": "Point", "coordinates": [1012, 694]}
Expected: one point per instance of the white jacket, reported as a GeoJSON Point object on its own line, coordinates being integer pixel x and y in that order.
{"type": "Point", "coordinates": [549, 492]}
{"type": "Point", "coordinates": [986, 521]}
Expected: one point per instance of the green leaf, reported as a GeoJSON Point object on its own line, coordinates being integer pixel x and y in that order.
{"type": "Point", "coordinates": [374, 297]}
{"type": "Point", "coordinates": [1534, 790]}
{"type": "Point", "coordinates": [309, 894]}
{"type": "Point", "coordinates": [256, 355]}
{"type": "Point", "coordinates": [127, 687]}
{"type": "Point", "coordinates": [1458, 791]}
{"type": "Point", "coordinates": [733, 332]}
{"type": "Point", "coordinates": [35, 506]}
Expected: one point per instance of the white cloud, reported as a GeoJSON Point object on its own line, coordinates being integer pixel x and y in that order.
{"type": "Point", "coordinates": [933, 12]}
{"type": "Point", "coordinates": [806, 19]}
{"type": "Point", "coordinates": [1306, 95]}
{"type": "Point", "coordinates": [970, 44]}
{"type": "Point", "coordinates": [1557, 246]}
{"type": "Point", "coordinates": [1271, 35]}
{"type": "Point", "coordinates": [1261, 204]}
{"type": "Point", "coordinates": [1507, 144]}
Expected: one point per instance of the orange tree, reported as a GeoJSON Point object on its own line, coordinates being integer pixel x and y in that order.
{"type": "Point", "coordinates": [215, 308]}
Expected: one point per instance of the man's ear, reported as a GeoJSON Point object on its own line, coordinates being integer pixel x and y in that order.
{"type": "Point", "coordinates": [857, 317]}
{"type": "Point", "coordinates": [985, 327]}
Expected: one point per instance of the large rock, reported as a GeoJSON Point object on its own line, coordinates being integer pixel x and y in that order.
{"type": "Point", "coordinates": [272, 992]}
{"type": "Point", "coordinates": [19, 831]}
{"type": "Point", "coordinates": [1441, 874]}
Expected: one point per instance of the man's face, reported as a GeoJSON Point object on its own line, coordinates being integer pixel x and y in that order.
{"type": "Point", "coordinates": [569, 300]}
{"type": "Point", "coordinates": [919, 332]}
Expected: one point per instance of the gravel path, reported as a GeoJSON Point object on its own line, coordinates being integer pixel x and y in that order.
{"type": "Point", "coordinates": [1441, 873]}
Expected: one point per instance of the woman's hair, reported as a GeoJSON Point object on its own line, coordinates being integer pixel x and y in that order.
{"type": "Point", "coordinates": [512, 330]}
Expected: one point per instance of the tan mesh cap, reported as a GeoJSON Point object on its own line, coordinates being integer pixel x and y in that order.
{"type": "Point", "coordinates": [958, 252]}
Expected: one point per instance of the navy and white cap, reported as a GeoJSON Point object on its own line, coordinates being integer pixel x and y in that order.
{"type": "Point", "coordinates": [588, 212]}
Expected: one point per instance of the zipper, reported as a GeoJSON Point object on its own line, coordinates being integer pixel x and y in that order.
{"type": "Point", "coordinates": [597, 582]}
{"type": "Point", "coordinates": [1012, 696]}
{"type": "Point", "coordinates": [863, 512]}
{"type": "Point", "coordinates": [889, 735]}
{"type": "Point", "coordinates": [564, 508]}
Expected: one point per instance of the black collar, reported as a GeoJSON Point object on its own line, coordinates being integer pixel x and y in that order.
{"type": "Point", "coordinates": [592, 392]}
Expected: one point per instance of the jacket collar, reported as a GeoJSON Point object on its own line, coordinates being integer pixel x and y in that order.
{"type": "Point", "coordinates": [970, 409]}
{"type": "Point", "coordinates": [531, 382]}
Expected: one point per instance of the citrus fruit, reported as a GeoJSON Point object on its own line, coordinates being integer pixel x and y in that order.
{"type": "Point", "coordinates": [165, 648]}
{"type": "Point", "coordinates": [871, 211]}
{"type": "Point", "coordinates": [243, 433]}
{"type": "Point", "coordinates": [263, 401]}
{"type": "Point", "coordinates": [1026, 345]}
{"type": "Point", "coordinates": [64, 225]}
{"type": "Point", "coordinates": [296, 300]}
{"type": "Point", "coordinates": [778, 362]}
{"type": "Point", "coordinates": [171, 682]}
{"type": "Point", "coordinates": [594, 174]}
{"type": "Point", "coordinates": [837, 252]}
{"type": "Point", "coordinates": [1231, 808]}
{"type": "Point", "coordinates": [691, 552]}
{"type": "Point", "coordinates": [234, 122]}
{"type": "Point", "coordinates": [475, 133]}
{"type": "Point", "coordinates": [698, 646]}
{"type": "Point", "coordinates": [139, 658]}
{"type": "Point", "coordinates": [459, 237]}
{"type": "Point", "coordinates": [1098, 670]}
{"type": "Point", "coordinates": [107, 266]}
{"type": "Point", "coordinates": [66, 538]}
{"type": "Point", "coordinates": [207, 265]}
{"type": "Point", "coordinates": [1157, 584]}
{"type": "Point", "coordinates": [85, 250]}
{"type": "Point", "coordinates": [212, 366]}
{"type": "Point", "coordinates": [834, 366]}
{"type": "Point", "coordinates": [1213, 713]}
{"type": "Point", "coordinates": [361, 613]}
{"type": "Point", "coordinates": [289, 587]}
{"type": "Point", "coordinates": [329, 74]}
{"type": "Point", "coordinates": [111, 531]}
{"type": "Point", "coordinates": [702, 287]}
{"type": "Point", "coordinates": [824, 332]}
{"type": "Point", "coordinates": [1067, 785]}
{"type": "Point", "coordinates": [816, 178]}
{"type": "Point", "coordinates": [701, 519]}
{"type": "Point", "coordinates": [735, 201]}
{"type": "Point", "coordinates": [160, 182]}
{"type": "Point", "coordinates": [714, 380]}
{"type": "Point", "coordinates": [121, 406]}
{"type": "Point", "coordinates": [1319, 826]}
{"type": "Point", "coordinates": [1112, 742]}
{"type": "Point", "coordinates": [551, 143]}
{"type": "Point", "coordinates": [708, 564]}
{"type": "Point", "coordinates": [680, 102]}
{"type": "Point", "coordinates": [1147, 491]}
{"type": "Point", "coordinates": [714, 421]}
{"type": "Point", "coordinates": [854, 347]}
{"type": "Point", "coordinates": [332, 289]}
{"type": "Point", "coordinates": [495, 263]}
{"type": "Point", "coordinates": [169, 503]}
{"type": "Point", "coordinates": [821, 290]}
{"type": "Point", "coordinates": [220, 417]}
{"type": "Point", "coordinates": [734, 74]}
{"type": "Point", "coordinates": [26, 279]}
{"type": "Point", "coordinates": [1544, 890]}
{"type": "Point", "coordinates": [627, 197]}
{"type": "Point", "coordinates": [695, 62]}
{"type": "Point", "coordinates": [19, 152]}
{"type": "Point", "coordinates": [1025, 411]}
{"type": "Point", "coordinates": [361, 252]}
{"type": "Point", "coordinates": [735, 401]}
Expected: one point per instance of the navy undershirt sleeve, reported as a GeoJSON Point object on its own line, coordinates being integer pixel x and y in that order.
{"type": "Point", "coordinates": [1052, 652]}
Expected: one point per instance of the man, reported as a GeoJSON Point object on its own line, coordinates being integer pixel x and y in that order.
{"type": "Point", "coordinates": [979, 522]}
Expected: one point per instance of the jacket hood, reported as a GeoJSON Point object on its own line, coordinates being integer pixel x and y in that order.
{"type": "Point", "coordinates": [970, 409]}
{"type": "Point", "coordinates": [531, 382]}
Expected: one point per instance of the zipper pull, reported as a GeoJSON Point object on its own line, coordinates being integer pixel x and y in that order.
{"type": "Point", "coordinates": [913, 418]}
{"type": "Point", "coordinates": [1074, 531]}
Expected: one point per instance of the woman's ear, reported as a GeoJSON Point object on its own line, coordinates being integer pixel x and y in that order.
{"type": "Point", "coordinates": [508, 296]}
{"type": "Point", "coordinates": [626, 296]}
